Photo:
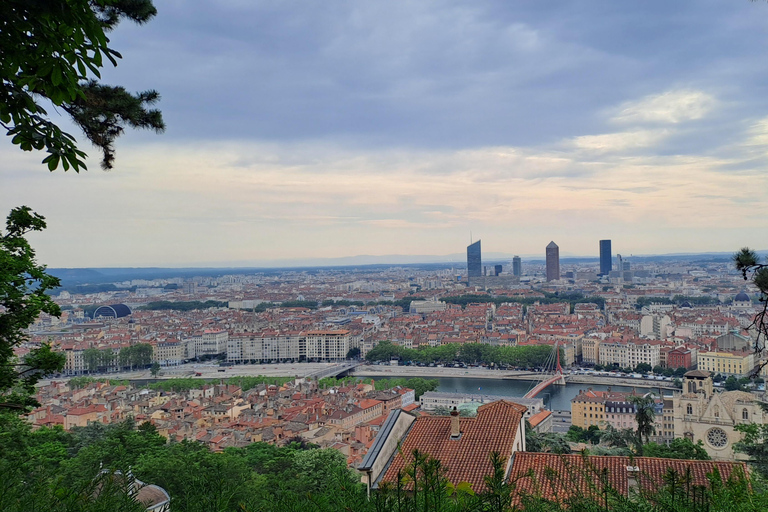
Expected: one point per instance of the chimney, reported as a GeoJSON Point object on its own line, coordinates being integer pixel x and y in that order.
{"type": "Point", "coordinates": [633, 483]}
{"type": "Point", "coordinates": [455, 432]}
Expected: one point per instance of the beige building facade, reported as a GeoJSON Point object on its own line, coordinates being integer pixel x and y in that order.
{"type": "Point", "coordinates": [701, 413]}
{"type": "Point", "coordinates": [726, 363]}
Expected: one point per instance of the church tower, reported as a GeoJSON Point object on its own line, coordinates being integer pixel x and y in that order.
{"type": "Point", "coordinates": [698, 381]}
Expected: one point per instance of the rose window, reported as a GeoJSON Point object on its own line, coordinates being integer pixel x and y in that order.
{"type": "Point", "coordinates": [717, 437]}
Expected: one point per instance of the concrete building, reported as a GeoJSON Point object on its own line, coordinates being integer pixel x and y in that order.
{"type": "Point", "coordinates": [427, 306]}
{"type": "Point", "coordinates": [553, 262]}
{"type": "Point", "coordinates": [738, 364]}
{"type": "Point", "coordinates": [169, 352]}
{"type": "Point", "coordinates": [290, 346]}
{"type": "Point", "coordinates": [628, 354]}
{"type": "Point", "coordinates": [210, 342]}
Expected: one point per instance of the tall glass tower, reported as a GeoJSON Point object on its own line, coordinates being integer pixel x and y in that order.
{"type": "Point", "coordinates": [474, 262]}
{"type": "Point", "coordinates": [606, 258]}
{"type": "Point", "coordinates": [517, 266]}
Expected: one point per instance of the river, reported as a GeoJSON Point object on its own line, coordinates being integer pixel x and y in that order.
{"type": "Point", "coordinates": [556, 398]}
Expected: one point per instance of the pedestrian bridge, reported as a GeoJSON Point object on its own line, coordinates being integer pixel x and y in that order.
{"type": "Point", "coordinates": [553, 374]}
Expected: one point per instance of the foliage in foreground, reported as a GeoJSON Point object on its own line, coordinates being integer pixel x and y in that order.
{"type": "Point", "coordinates": [53, 470]}
{"type": "Point", "coordinates": [23, 297]}
{"type": "Point", "coordinates": [53, 52]}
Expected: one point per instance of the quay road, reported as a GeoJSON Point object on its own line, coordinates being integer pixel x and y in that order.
{"type": "Point", "coordinates": [214, 371]}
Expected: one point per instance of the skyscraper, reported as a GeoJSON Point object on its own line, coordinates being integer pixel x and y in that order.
{"type": "Point", "coordinates": [553, 262]}
{"type": "Point", "coordinates": [517, 266]}
{"type": "Point", "coordinates": [606, 258]}
{"type": "Point", "coordinates": [474, 262]}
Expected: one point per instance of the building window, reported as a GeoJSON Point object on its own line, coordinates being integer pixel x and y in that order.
{"type": "Point", "coordinates": [745, 414]}
{"type": "Point", "coordinates": [689, 409]}
{"type": "Point", "coordinates": [716, 410]}
{"type": "Point", "coordinates": [717, 438]}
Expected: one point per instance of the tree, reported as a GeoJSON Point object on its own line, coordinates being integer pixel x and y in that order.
{"type": "Point", "coordinates": [748, 264]}
{"type": "Point", "coordinates": [23, 287]}
{"type": "Point", "coordinates": [643, 368]}
{"type": "Point", "coordinates": [645, 414]}
{"type": "Point", "coordinates": [52, 51]}
{"type": "Point", "coordinates": [577, 434]}
{"type": "Point", "coordinates": [549, 442]}
{"type": "Point", "coordinates": [155, 369]}
{"type": "Point", "coordinates": [680, 448]}
{"type": "Point", "coordinates": [732, 384]}
{"type": "Point", "coordinates": [91, 358]}
{"type": "Point", "coordinates": [617, 438]}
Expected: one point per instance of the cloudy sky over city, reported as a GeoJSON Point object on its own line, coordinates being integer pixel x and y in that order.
{"type": "Point", "coordinates": [302, 130]}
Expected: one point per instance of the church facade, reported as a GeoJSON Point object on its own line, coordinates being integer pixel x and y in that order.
{"type": "Point", "coordinates": [703, 414]}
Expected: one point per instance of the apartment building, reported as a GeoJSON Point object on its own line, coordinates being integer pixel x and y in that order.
{"type": "Point", "coordinates": [726, 363]}
{"type": "Point", "coordinates": [289, 346]}
{"type": "Point", "coordinates": [169, 352]}
{"type": "Point", "coordinates": [628, 354]}
{"type": "Point", "coordinates": [590, 350]}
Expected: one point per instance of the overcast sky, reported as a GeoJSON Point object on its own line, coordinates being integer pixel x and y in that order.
{"type": "Point", "coordinates": [306, 130]}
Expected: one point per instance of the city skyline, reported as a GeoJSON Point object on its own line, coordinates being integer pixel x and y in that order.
{"type": "Point", "coordinates": [368, 130]}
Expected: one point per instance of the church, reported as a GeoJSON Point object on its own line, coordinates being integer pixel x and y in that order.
{"type": "Point", "coordinates": [701, 413]}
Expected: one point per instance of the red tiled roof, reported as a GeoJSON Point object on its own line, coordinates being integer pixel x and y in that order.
{"type": "Point", "coordinates": [467, 459]}
{"type": "Point", "coordinates": [539, 417]}
{"type": "Point", "coordinates": [560, 477]}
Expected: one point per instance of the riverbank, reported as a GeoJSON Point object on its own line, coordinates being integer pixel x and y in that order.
{"type": "Point", "coordinates": [427, 372]}
{"type": "Point", "coordinates": [211, 371]}
{"type": "Point", "coordinates": [381, 371]}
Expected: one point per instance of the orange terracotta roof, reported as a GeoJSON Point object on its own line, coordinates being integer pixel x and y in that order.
{"type": "Point", "coordinates": [539, 417]}
{"type": "Point", "coordinates": [467, 459]}
{"type": "Point", "coordinates": [560, 477]}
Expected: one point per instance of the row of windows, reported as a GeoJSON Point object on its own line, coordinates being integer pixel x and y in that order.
{"type": "Point", "coordinates": [716, 411]}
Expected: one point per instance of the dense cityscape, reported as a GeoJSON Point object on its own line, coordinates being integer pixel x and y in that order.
{"type": "Point", "coordinates": [653, 317]}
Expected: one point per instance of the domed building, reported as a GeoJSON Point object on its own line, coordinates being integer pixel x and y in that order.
{"type": "Point", "coordinates": [153, 497]}
{"type": "Point", "coordinates": [742, 301]}
{"type": "Point", "coordinates": [112, 311]}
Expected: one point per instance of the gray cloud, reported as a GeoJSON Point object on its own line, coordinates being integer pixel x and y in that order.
{"type": "Point", "coordinates": [347, 127]}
